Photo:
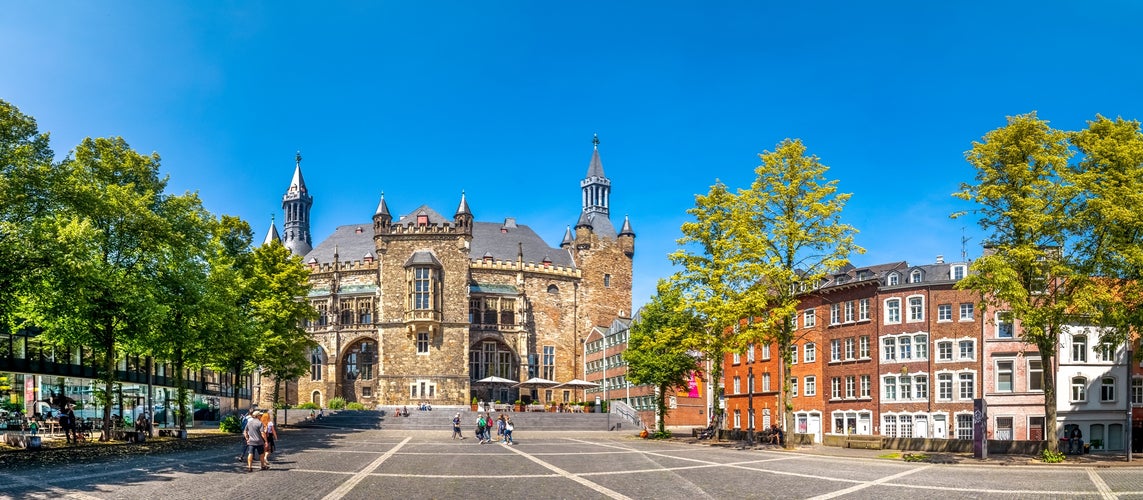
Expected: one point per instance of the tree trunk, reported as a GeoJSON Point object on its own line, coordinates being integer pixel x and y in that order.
{"type": "Point", "coordinates": [109, 377]}
{"type": "Point", "coordinates": [1048, 358]}
{"type": "Point", "coordinates": [661, 400]}
{"type": "Point", "coordinates": [237, 386]}
{"type": "Point", "coordinates": [180, 391]}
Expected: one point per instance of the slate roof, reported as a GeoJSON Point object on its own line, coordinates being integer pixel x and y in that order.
{"type": "Point", "coordinates": [349, 243]}
{"type": "Point", "coordinates": [600, 224]}
{"type": "Point", "coordinates": [487, 239]}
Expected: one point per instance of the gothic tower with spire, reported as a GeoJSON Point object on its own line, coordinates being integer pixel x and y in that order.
{"type": "Point", "coordinates": [296, 203]}
{"type": "Point", "coordinates": [606, 256]}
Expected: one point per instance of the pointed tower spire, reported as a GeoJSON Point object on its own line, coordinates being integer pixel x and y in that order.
{"type": "Point", "coordinates": [568, 239]}
{"type": "Point", "coordinates": [272, 234]}
{"type": "Point", "coordinates": [463, 208]}
{"type": "Point", "coordinates": [626, 230]}
{"type": "Point", "coordinates": [596, 186]}
{"type": "Point", "coordinates": [382, 207]}
{"type": "Point", "coordinates": [296, 203]}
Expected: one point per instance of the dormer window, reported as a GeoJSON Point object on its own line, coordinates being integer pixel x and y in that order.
{"type": "Point", "coordinates": [916, 276]}
{"type": "Point", "coordinates": [422, 219]}
{"type": "Point", "coordinates": [893, 279]}
{"type": "Point", "coordinates": [958, 272]}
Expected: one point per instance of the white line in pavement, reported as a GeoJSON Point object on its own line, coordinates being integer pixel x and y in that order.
{"type": "Point", "coordinates": [867, 484]}
{"type": "Point", "coordinates": [348, 485]}
{"type": "Point", "coordinates": [1102, 487]}
{"type": "Point", "coordinates": [595, 486]}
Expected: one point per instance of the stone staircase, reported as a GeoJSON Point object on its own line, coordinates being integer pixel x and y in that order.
{"type": "Point", "coordinates": [440, 418]}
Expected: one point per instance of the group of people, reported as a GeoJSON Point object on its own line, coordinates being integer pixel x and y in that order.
{"type": "Point", "coordinates": [484, 425]}
{"type": "Point", "coordinates": [260, 436]}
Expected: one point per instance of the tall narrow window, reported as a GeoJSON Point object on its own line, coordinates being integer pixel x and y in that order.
{"type": "Point", "coordinates": [315, 364]}
{"type": "Point", "coordinates": [1004, 371]}
{"type": "Point", "coordinates": [863, 309]}
{"type": "Point", "coordinates": [893, 311]}
{"type": "Point", "coordinates": [967, 385]}
{"type": "Point", "coordinates": [1004, 324]}
{"type": "Point", "coordinates": [1035, 375]}
{"type": "Point", "coordinates": [849, 311]}
{"type": "Point", "coordinates": [1079, 389]}
{"type": "Point", "coordinates": [916, 309]}
{"type": "Point", "coordinates": [422, 342]}
{"type": "Point", "coordinates": [1079, 349]}
{"type": "Point", "coordinates": [1107, 389]}
{"type": "Point", "coordinates": [548, 364]}
{"type": "Point", "coordinates": [421, 289]}
{"type": "Point", "coordinates": [944, 386]}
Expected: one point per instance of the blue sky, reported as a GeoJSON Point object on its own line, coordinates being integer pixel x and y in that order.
{"type": "Point", "coordinates": [422, 100]}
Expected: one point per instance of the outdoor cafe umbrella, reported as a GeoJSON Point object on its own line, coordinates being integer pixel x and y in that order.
{"type": "Point", "coordinates": [578, 384]}
{"type": "Point", "coordinates": [537, 382]}
{"type": "Point", "coordinates": [494, 381]}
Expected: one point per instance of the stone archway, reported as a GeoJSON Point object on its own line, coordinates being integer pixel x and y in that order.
{"type": "Point", "coordinates": [488, 357]}
{"type": "Point", "coordinates": [357, 370]}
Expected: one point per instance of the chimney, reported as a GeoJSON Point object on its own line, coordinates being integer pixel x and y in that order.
{"type": "Point", "coordinates": [940, 259]}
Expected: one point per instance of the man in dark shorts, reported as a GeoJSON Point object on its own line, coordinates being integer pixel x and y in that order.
{"type": "Point", "coordinates": [255, 435]}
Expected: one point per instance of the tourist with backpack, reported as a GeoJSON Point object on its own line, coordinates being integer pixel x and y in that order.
{"type": "Point", "coordinates": [480, 429]}
{"type": "Point", "coordinates": [500, 429]}
{"type": "Point", "coordinates": [508, 428]}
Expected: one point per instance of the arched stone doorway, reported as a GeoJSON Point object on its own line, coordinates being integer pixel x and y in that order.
{"type": "Point", "coordinates": [357, 371]}
{"type": "Point", "coordinates": [315, 397]}
{"type": "Point", "coordinates": [491, 357]}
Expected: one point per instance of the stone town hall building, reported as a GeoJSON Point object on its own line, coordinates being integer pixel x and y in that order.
{"type": "Point", "coordinates": [419, 306]}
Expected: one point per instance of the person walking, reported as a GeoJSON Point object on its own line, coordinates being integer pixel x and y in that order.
{"type": "Point", "coordinates": [271, 438]}
{"type": "Point", "coordinates": [508, 428]}
{"type": "Point", "coordinates": [456, 427]}
{"type": "Point", "coordinates": [255, 436]}
{"type": "Point", "coordinates": [500, 429]}
{"type": "Point", "coordinates": [242, 428]}
{"type": "Point", "coordinates": [67, 424]}
{"type": "Point", "coordinates": [480, 427]}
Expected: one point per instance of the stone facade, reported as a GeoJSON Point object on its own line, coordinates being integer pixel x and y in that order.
{"type": "Point", "coordinates": [420, 306]}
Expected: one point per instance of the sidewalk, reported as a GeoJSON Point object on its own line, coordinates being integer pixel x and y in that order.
{"type": "Point", "coordinates": [1089, 460]}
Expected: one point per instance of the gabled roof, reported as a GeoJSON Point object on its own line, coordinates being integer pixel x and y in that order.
{"type": "Point", "coordinates": [411, 217]}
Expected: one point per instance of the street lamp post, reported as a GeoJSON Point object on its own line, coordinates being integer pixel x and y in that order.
{"type": "Point", "coordinates": [750, 403]}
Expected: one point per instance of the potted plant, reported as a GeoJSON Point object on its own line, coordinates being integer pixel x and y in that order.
{"type": "Point", "coordinates": [475, 403]}
{"type": "Point", "coordinates": [519, 405]}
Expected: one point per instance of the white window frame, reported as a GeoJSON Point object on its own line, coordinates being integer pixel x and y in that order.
{"type": "Point", "coordinates": [1032, 377]}
{"type": "Point", "coordinates": [811, 384]}
{"type": "Point", "coordinates": [944, 313]}
{"type": "Point", "coordinates": [863, 309]}
{"type": "Point", "coordinates": [809, 352]}
{"type": "Point", "coordinates": [1004, 327]}
{"type": "Point", "coordinates": [945, 347]}
{"type": "Point", "coordinates": [1078, 391]}
{"type": "Point", "coordinates": [809, 318]}
{"type": "Point", "coordinates": [1107, 392]}
{"type": "Point", "coordinates": [835, 350]}
{"type": "Point", "coordinates": [916, 304]}
{"type": "Point", "coordinates": [1005, 367]}
{"type": "Point", "coordinates": [892, 311]}
{"type": "Point", "coordinates": [967, 312]}
{"type": "Point", "coordinates": [1079, 349]}
{"type": "Point", "coordinates": [835, 314]}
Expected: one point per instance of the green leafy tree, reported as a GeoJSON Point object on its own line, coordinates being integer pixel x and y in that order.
{"type": "Point", "coordinates": [1028, 203]}
{"type": "Point", "coordinates": [232, 333]}
{"type": "Point", "coordinates": [760, 248]}
{"type": "Point", "coordinates": [26, 174]}
{"type": "Point", "coordinates": [1110, 178]}
{"type": "Point", "coordinates": [106, 238]}
{"type": "Point", "coordinates": [656, 351]}
{"type": "Point", "coordinates": [280, 285]}
{"type": "Point", "coordinates": [182, 278]}
{"type": "Point", "coordinates": [710, 279]}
